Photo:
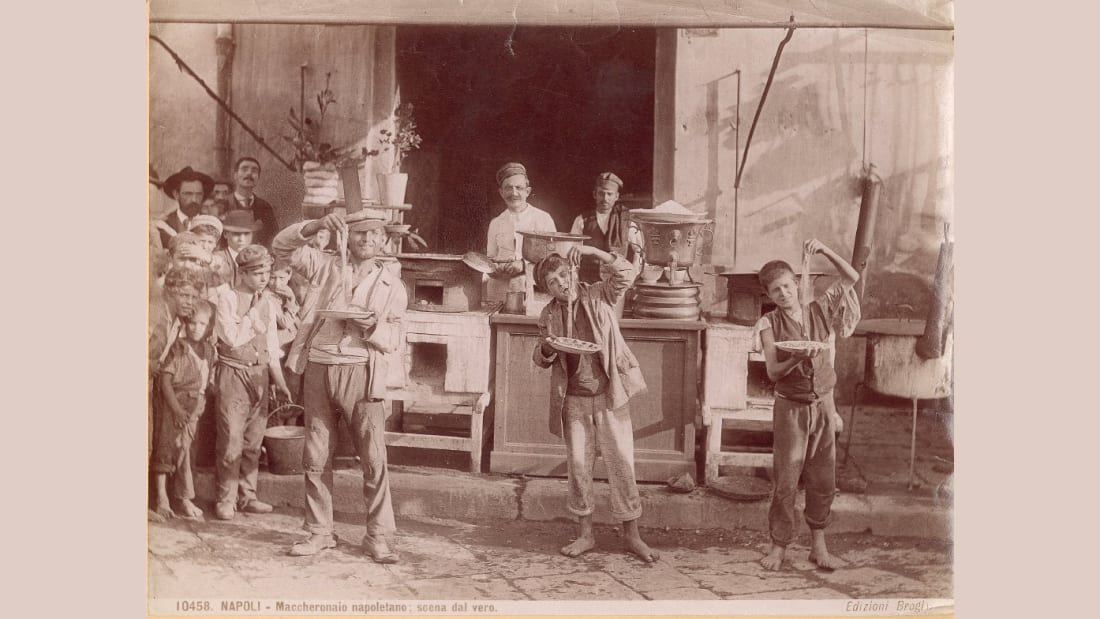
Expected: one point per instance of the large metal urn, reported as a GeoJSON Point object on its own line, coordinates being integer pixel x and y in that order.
{"type": "Point", "coordinates": [671, 239]}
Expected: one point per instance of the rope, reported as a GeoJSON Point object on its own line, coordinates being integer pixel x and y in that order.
{"type": "Point", "coordinates": [225, 106]}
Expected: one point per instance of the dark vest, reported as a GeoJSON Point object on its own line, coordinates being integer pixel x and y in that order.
{"type": "Point", "coordinates": [589, 271]}
{"type": "Point", "coordinates": [807, 381]}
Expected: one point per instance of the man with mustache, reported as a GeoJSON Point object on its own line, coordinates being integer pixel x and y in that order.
{"type": "Point", "coordinates": [188, 188]}
{"type": "Point", "coordinates": [246, 173]}
{"type": "Point", "coordinates": [347, 366]}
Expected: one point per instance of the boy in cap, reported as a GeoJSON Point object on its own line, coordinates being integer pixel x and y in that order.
{"type": "Point", "coordinates": [347, 367]}
{"type": "Point", "coordinates": [248, 360]}
{"type": "Point", "coordinates": [505, 244]}
{"type": "Point", "coordinates": [238, 229]}
{"type": "Point", "coordinates": [605, 226]}
{"type": "Point", "coordinates": [209, 230]}
{"type": "Point", "coordinates": [590, 393]}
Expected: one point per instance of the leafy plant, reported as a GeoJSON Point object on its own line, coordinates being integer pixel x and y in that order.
{"type": "Point", "coordinates": [307, 135]}
{"type": "Point", "coordinates": [403, 138]}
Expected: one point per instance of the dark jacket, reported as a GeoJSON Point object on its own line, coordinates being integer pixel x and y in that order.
{"type": "Point", "coordinates": [623, 371]}
{"type": "Point", "coordinates": [265, 214]}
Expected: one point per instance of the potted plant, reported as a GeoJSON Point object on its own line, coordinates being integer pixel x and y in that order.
{"type": "Point", "coordinates": [401, 140]}
{"type": "Point", "coordinates": [323, 166]}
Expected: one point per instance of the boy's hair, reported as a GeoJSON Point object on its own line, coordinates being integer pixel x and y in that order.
{"type": "Point", "coordinates": [181, 239]}
{"type": "Point", "coordinates": [773, 271]}
{"type": "Point", "coordinates": [183, 274]}
{"type": "Point", "coordinates": [205, 229]}
{"type": "Point", "coordinates": [547, 266]}
{"type": "Point", "coordinates": [280, 264]}
{"type": "Point", "coordinates": [203, 308]}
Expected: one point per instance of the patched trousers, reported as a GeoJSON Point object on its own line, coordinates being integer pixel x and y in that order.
{"type": "Point", "coordinates": [241, 419]}
{"type": "Point", "coordinates": [803, 446]}
{"type": "Point", "coordinates": [587, 422]}
{"type": "Point", "coordinates": [332, 392]}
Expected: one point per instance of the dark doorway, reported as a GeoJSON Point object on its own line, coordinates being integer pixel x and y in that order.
{"type": "Point", "coordinates": [567, 103]}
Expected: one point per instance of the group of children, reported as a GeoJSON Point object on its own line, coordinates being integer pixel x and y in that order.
{"type": "Point", "coordinates": [230, 311]}
{"type": "Point", "coordinates": [220, 351]}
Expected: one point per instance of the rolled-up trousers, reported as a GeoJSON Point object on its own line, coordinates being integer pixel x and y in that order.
{"type": "Point", "coordinates": [803, 446]}
{"type": "Point", "coordinates": [331, 392]}
{"type": "Point", "coordinates": [588, 423]}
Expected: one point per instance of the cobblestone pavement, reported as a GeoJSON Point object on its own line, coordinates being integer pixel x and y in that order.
{"type": "Point", "coordinates": [519, 560]}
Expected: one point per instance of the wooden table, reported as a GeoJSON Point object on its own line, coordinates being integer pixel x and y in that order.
{"type": "Point", "coordinates": [663, 416]}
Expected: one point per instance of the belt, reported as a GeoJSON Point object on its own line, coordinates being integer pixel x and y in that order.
{"type": "Point", "coordinates": [241, 365]}
{"type": "Point", "coordinates": [809, 398]}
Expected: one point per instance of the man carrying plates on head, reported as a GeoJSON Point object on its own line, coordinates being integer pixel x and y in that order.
{"type": "Point", "coordinates": [347, 365]}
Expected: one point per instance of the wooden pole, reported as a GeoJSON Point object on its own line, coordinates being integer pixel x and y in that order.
{"type": "Point", "coordinates": [224, 47]}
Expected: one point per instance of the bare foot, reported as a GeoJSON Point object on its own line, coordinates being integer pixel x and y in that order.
{"type": "Point", "coordinates": [164, 510]}
{"type": "Point", "coordinates": [826, 561]}
{"type": "Point", "coordinates": [641, 550]}
{"type": "Point", "coordinates": [819, 554]}
{"type": "Point", "coordinates": [190, 510]}
{"type": "Point", "coordinates": [155, 517]}
{"type": "Point", "coordinates": [582, 545]}
{"type": "Point", "coordinates": [774, 560]}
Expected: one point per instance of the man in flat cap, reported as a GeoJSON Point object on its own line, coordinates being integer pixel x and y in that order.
{"type": "Point", "coordinates": [248, 361]}
{"type": "Point", "coordinates": [188, 188]}
{"type": "Point", "coordinates": [348, 365]}
{"type": "Point", "coordinates": [606, 227]}
{"type": "Point", "coordinates": [505, 244]}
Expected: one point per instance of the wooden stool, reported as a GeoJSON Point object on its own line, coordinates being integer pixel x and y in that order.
{"type": "Point", "coordinates": [753, 418]}
{"type": "Point", "coordinates": [447, 410]}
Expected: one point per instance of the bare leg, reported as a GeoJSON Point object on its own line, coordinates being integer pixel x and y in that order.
{"type": "Point", "coordinates": [819, 554]}
{"type": "Point", "coordinates": [774, 560]}
{"type": "Point", "coordinates": [163, 508]}
{"type": "Point", "coordinates": [585, 541]}
{"type": "Point", "coordinates": [635, 544]}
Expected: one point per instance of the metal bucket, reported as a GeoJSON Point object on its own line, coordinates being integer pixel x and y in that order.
{"type": "Point", "coordinates": [285, 446]}
{"type": "Point", "coordinates": [893, 367]}
{"type": "Point", "coordinates": [674, 241]}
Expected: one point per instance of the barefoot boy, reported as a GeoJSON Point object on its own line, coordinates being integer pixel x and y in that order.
{"type": "Point", "coordinates": [182, 382]}
{"type": "Point", "coordinates": [589, 393]}
{"type": "Point", "coordinates": [804, 413]}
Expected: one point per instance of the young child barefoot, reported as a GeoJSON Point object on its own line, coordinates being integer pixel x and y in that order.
{"type": "Point", "coordinates": [590, 405]}
{"type": "Point", "coordinates": [182, 398]}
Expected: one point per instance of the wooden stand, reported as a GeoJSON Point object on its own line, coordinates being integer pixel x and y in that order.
{"type": "Point", "coordinates": [728, 402]}
{"type": "Point", "coordinates": [663, 416]}
{"type": "Point", "coordinates": [447, 361]}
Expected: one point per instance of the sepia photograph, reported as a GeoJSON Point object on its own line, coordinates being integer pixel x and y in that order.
{"type": "Point", "coordinates": [502, 307]}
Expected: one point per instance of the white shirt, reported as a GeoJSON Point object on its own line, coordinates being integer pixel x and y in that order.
{"type": "Point", "coordinates": [504, 240]}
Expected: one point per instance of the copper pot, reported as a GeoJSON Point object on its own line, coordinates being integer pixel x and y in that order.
{"type": "Point", "coordinates": [538, 245]}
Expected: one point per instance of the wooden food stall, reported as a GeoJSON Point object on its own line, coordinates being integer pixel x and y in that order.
{"type": "Point", "coordinates": [663, 416]}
